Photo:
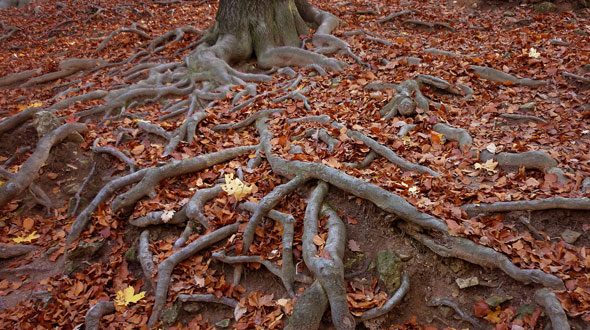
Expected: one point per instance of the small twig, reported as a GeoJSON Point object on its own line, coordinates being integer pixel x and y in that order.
{"type": "Point", "coordinates": [455, 307]}
{"type": "Point", "coordinates": [79, 192]}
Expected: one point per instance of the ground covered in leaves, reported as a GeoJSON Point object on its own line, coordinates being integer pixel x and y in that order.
{"type": "Point", "coordinates": [448, 40]}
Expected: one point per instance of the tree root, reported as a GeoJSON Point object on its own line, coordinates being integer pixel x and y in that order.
{"type": "Point", "coordinates": [165, 268]}
{"type": "Point", "coordinates": [156, 174]}
{"type": "Point", "coordinates": [323, 119]}
{"type": "Point", "coordinates": [548, 300]}
{"type": "Point", "coordinates": [431, 25]}
{"type": "Point", "coordinates": [576, 77]}
{"type": "Point", "coordinates": [535, 205]}
{"type": "Point", "coordinates": [184, 132]}
{"type": "Point", "coordinates": [145, 258]}
{"type": "Point", "coordinates": [455, 307]}
{"type": "Point", "coordinates": [539, 160]}
{"type": "Point", "coordinates": [153, 129]}
{"type": "Point", "coordinates": [31, 167]}
{"type": "Point", "coordinates": [10, 251]}
{"type": "Point", "coordinates": [194, 207]}
{"type": "Point", "coordinates": [319, 134]}
{"type": "Point", "coordinates": [104, 43]}
{"type": "Point", "coordinates": [395, 300]}
{"type": "Point", "coordinates": [115, 153]}
{"type": "Point", "coordinates": [97, 311]}
{"type": "Point", "coordinates": [440, 52]}
{"type": "Point", "coordinates": [246, 122]}
{"type": "Point", "coordinates": [288, 271]}
{"type": "Point", "coordinates": [103, 195]}
{"type": "Point", "coordinates": [309, 308]}
{"type": "Point", "coordinates": [208, 298]}
{"type": "Point", "coordinates": [155, 218]}
{"type": "Point", "coordinates": [389, 154]}
{"type": "Point", "coordinates": [406, 100]}
{"type": "Point", "coordinates": [454, 134]}
{"type": "Point", "coordinates": [329, 269]}
{"type": "Point", "coordinates": [266, 204]}
{"type": "Point", "coordinates": [395, 15]}
{"type": "Point", "coordinates": [437, 82]}
{"type": "Point", "coordinates": [17, 77]}
{"type": "Point", "coordinates": [78, 196]}
{"type": "Point", "coordinates": [67, 68]}
{"type": "Point", "coordinates": [13, 121]}
{"type": "Point", "coordinates": [36, 192]}
{"type": "Point", "coordinates": [519, 118]}
{"type": "Point", "coordinates": [499, 76]}
{"type": "Point", "coordinates": [469, 251]}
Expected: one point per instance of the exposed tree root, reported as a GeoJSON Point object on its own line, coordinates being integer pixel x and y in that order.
{"type": "Point", "coordinates": [31, 167]}
{"type": "Point", "coordinates": [10, 251]}
{"type": "Point", "coordinates": [11, 122]}
{"type": "Point", "coordinates": [454, 134]}
{"type": "Point", "coordinates": [122, 30]}
{"type": "Point", "coordinates": [517, 117]}
{"type": "Point", "coordinates": [67, 68]}
{"type": "Point", "coordinates": [576, 77]}
{"type": "Point", "coordinates": [97, 311]}
{"type": "Point", "coordinates": [156, 174]}
{"type": "Point", "coordinates": [455, 307]}
{"type": "Point", "coordinates": [535, 205]}
{"type": "Point", "coordinates": [538, 159]}
{"type": "Point", "coordinates": [548, 300]}
{"type": "Point", "coordinates": [484, 256]}
{"type": "Point", "coordinates": [78, 194]}
{"type": "Point", "coordinates": [15, 78]}
{"type": "Point", "coordinates": [288, 271]}
{"type": "Point", "coordinates": [440, 52]}
{"type": "Point", "coordinates": [431, 25]}
{"type": "Point", "coordinates": [144, 255]}
{"type": "Point", "coordinates": [165, 268]}
{"type": "Point", "coordinates": [115, 153]}
{"type": "Point", "coordinates": [186, 131]}
{"type": "Point", "coordinates": [153, 129]}
{"type": "Point", "coordinates": [406, 100]}
{"type": "Point", "coordinates": [499, 76]}
{"type": "Point", "coordinates": [156, 218]}
{"type": "Point", "coordinates": [395, 300]}
{"type": "Point", "coordinates": [248, 121]}
{"type": "Point", "coordinates": [395, 15]}
{"type": "Point", "coordinates": [208, 298]}
{"type": "Point", "coordinates": [309, 308]}
{"type": "Point", "coordinates": [103, 195]}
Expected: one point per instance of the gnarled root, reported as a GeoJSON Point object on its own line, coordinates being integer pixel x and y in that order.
{"type": "Point", "coordinates": [145, 258]}
{"type": "Point", "coordinates": [548, 300]}
{"type": "Point", "coordinates": [535, 205]}
{"type": "Point", "coordinates": [96, 312]}
{"type": "Point", "coordinates": [10, 251]}
{"type": "Point", "coordinates": [165, 268]}
{"type": "Point", "coordinates": [29, 170]}
{"type": "Point", "coordinates": [391, 302]}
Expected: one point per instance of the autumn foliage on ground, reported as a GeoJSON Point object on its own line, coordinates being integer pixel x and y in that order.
{"type": "Point", "coordinates": [515, 40]}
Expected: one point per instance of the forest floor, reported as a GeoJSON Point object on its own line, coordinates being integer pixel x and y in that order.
{"type": "Point", "coordinates": [45, 289]}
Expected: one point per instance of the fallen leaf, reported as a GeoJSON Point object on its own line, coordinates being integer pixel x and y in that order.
{"type": "Point", "coordinates": [317, 240]}
{"type": "Point", "coordinates": [489, 165]}
{"type": "Point", "coordinates": [236, 187]}
{"type": "Point", "coordinates": [353, 246]}
{"type": "Point", "coordinates": [128, 296]}
{"type": "Point", "coordinates": [239, 311]}
{"type": "Point", "coordinates": [167, 216]}
{"type": "Point", "coordinates": [28, 224]}
{"type": "Point", "coordinates": [26, 239]}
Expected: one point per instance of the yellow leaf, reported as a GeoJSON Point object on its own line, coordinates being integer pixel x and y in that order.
{"type": "Point", "coordinates": [32, 105]}
{"type": "Point", "coordinates": [127, 296]}
{"type": "Point", "coordinates": [2, 183]}
{"type": "Point", "coordinates": [489, 166]}
{"type": "Point", "coordinates": [493, 317]}
{"type": "Point", "coordinates": [236, 187]}
{"type": "Point", "coordinates": [32, 236]}
{"type": "Point", "coordinates": [533, 53]}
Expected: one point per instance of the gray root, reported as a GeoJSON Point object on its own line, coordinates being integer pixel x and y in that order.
{"type": "Point", "coordinates": [153, 129]}
{"type": "Point", "coordinates": [323, 119]}
{"type": "Point", "coordinates": [407, 128]}
{"type": "Point", "coordinates": [537, 159]}
{"type": "Point", "coordinates": [266, 204]}
{"type": "Point", "coordinates": [115, 153]}
{"type": "Point", "coordinates": [406, 100]}
{"type": "Point", "coordinates": [208, 298]}
{"type": "Point", "coordinates": [145, 258]}
{"type": "Point", "coordinates": [288, 270]}
{"type": "Point", "coordinates": [78, 196]}
{"type": "Point", "coordinates": [395, 15]}
{"type": "Point", "coordinates": [499, 76]}
{"type": "Point", "coordinates": [519, 118]}
{"type": "Point", "coordinates": [366, 162]}
{"type": "Point", "coordinates": [103, 195]}
{"type": "Point", "coordinates": [13, 121]}
{"type": "Point", "coordinates": [167, 266]}
{"type": "Point", "coordinates": [455, 307]}
{"type": "Point", "coordinates": [10, 251]}
{"type": "Point", "coordinates": [184, 132]}
{"type": "Point", "coordinates": [155, 218]}
{"type": "Point", "coordinates": [431, 25]}
{"type": "Point", "coordinates": [174, 168]}
{"type": "Point", "coordinates": [440, 52]}
{"type": "Point", "coordinates": [15, 78]}
{"type": "Point", "coordinates": [389, 154]}
{"type": "Point", "coordinates": [467, 250]}
{"type": "Point", "coordinates": [123, 30]}
{"type": "Point", "coordinates": [548, 300]}
{"type": "Point", "coordinates": [395, 300]}
{"type": "Point", "coordinates": [309, 309]}
{"type": "Point", "coordinates": [92, 318]}
{"type": "Point", "coordinates": [576, 77]}
{"type": "Point", "coordinates": [535, 205]}
{"type": "Point", "coordinates": [329, 270]}
{"type": "Point", "coordinates": [31, 167]}
{"type": "Point", "coordinates": [438, 83]}
{"type": "Point", "coordinates": [67, 68]}
{"type": "Point", "coordinates": [248, 121]}
{"type": "Point", "coordinates": [454, 134]}
{"type": "Point", "coordinates": [194, 207]}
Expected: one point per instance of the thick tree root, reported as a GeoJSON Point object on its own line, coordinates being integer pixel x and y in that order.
{"type": "Point", "coordinates": [431, 25]}
{"type": "Point", "coordinates": [309, 309]}
{"type": "Point", "coordinates": [246, 122]}
{"type": "Point", "coordinates": [11, 122]}
{"type": "Point", "coordinates": [537, 159]}
{"type": "Point", "coordinates": [521, 118]}
{"type": "Point", "coordinates": [153, 129]}
{"type": "Point", "coordinates": [31, 167]}
{"type": "Point", "coordinates": [78, 194]}
{"type": "Point", "coordinates": [15, 78]}
{"type": "Point", "coordinates": [395, 15]}
{"type": "Point", "coordinates": [288, 271]}
{"type": "Point", "coordinates": [97, 311]}
{"type": "Point", "coordinates": [548, 300]}
{"type": "Point", "coordinates": [328, 270]}
{"type": "Point", "coordinates": [103, 195]}
{"type": "Point", "coordinates": [208, 298]}
{"type": "Point", "coordinates": [454, 134]}
{"type": "Point", "coordinates": [115, 153]}
{"type": "Point", "coordinates": [406, 100]}
{"type": "Point", "coordinates": [455, 307]}
{"type": "Point", "coordinates": [155, 218]}
{"type": "Point", "coordinates": [67, 68]}
{"type": "Point", "coordinates": [438, 83]}
{"type": "Point", "coordinates": [194, 207]}
{"type": "Point", "coordinates": [535, 205]}
{"type": "Point", "coordinates": [185, 132]}
{"type": "Point", "coordinates": [467, 250]}
{"type": "Point", "coordinates": [389, 154]}
{"type": "Point", "coordinates": [395, 300]}
{"type": "Point", "coordinates": [499, 76]}
{"type": "Point", "coordinates": [174, 168]}
{"type": "Point", "coordinates": [104, 43]}
{"type": "Point", "coordinates": [10, 251]}
{"type": "Point", "coordinates": [145, 258]}
{"type": "Point", "coordinates": [165, 268]}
